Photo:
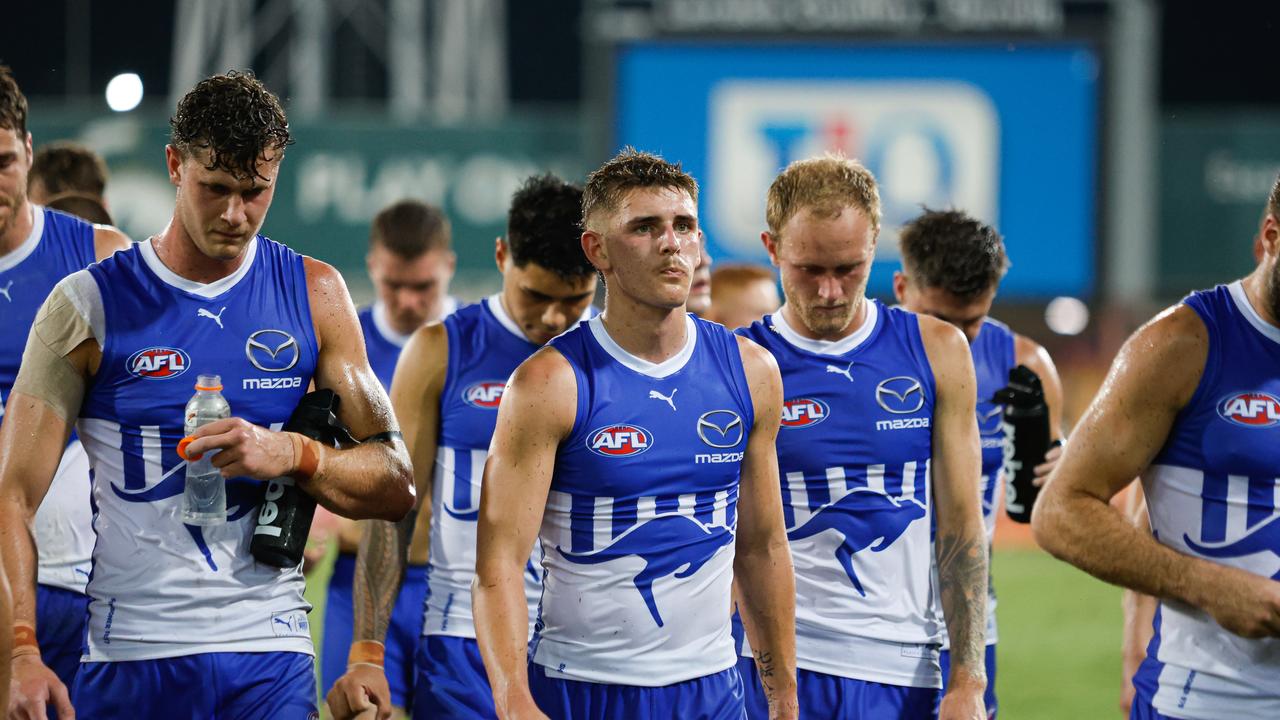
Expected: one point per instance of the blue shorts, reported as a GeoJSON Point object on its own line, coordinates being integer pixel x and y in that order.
{"type": "Point", "coordinates": [989, 697]}
{"type": "Point", "coordinates": [823, 697]}
{"type": "Point", "coordinates": [218, 686]}
{"type": "Point", "coordinates": [1146, 681]}
{"type": "Point", "coordinates": [450, 681]}
{"type": "Point", "coordinates": [402, 633]}
{"type": "Point", "coordinates": [711, 697]}
{"type": "Point", "coordinates": [60, 620]}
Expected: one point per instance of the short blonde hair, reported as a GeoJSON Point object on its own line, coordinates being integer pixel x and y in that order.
{"type": "Point", "coordinates": [825, 185]}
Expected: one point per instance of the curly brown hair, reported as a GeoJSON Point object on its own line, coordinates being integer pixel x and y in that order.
{"type": "Point", "coordinates": [628, 170]}
{"type": "Point", "coordinates": [235, 118]}
{"type": "Point", "coordinates": [948, 249]}
{"type": "Point", "coordinates": [13, 104]}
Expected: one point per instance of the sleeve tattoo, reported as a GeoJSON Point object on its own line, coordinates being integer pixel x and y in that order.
{"type": "Point", "coordinates": [962, 574]}
{"type": "Point", "coordinates": [380, 568]}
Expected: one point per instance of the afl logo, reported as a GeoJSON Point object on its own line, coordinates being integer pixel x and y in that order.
{"type": "Point", "coordinates": [619, 440]}
{"type": "Point", "coordinates": [1250, 409]}
{"type": "Point", "coordinates": [158, 363]}
{"type": "Point", "coordinates": [804, 412]}
{"type": "Point", "coordinates": [485, 394]}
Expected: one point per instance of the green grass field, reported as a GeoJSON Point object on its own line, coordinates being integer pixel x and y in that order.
{"type": "Point", "coordinates": [1059, 651]}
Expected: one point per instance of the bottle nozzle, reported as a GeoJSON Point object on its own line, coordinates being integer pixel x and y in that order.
{"type": "Point", "coordinates": [209, 383]}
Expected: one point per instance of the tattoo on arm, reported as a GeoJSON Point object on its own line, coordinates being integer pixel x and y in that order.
{"type": "Point", "coordinates": [380, 568]}
{"type": "Point", "coordinates": [765, 668]}
{"type": "Point", "coordinates": [962, 573]}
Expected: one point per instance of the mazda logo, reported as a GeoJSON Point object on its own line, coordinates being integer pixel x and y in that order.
{"type": "Point", "coordinates": [720, 428]}
{"type": "Point", "coordinates": [900, 395]}
{"type": "Point", "coordinates": [272, 350]}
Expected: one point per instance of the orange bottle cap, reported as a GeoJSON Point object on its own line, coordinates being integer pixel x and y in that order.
{"type": "Point", "coordinates": [182, 449]}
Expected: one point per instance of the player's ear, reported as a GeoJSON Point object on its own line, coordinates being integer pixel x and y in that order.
{"type": "Point", "coordinates": [770, 246]}
{"type": "Point", "coordinates": [899, 286]}
{"type": "Point", "coordinates": [30, 155]}
{"type": "Point", "coordinates": [594, 248]}
{"type": "Point", "coordinates": [173, 160]}
{"type": "Point", "coordinates": [500, 253]}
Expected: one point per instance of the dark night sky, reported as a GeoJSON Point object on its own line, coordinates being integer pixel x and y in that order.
{"type": "Point", "coordinates": [1208, 57]}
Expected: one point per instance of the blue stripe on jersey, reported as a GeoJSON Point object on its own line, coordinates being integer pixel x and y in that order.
{"type": "Point", "coordinates": [64, 245]}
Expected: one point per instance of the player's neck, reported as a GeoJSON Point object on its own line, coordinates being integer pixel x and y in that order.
{"type": "Point", "coordinates": [797, 324]}
{"type": "Point", "coordinates": [650, 333]}
{"type": "Point", "coordinates": [1255, 288]}
{"type": "Point", "coordinates": [19, 231]}
{"type": "Point", "coordinates": [179, 253]}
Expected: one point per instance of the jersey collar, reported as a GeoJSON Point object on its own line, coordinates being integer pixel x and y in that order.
{"type": "Point", "coordinates": [827, 347]}
{"type": "Point", "coordinates": [667, 367]}
{"type": "Point", "coordinates": [28, 246]}
{"type": "Point", "coordinates": [205, 290]}
{"type": "Point", "coordinates": [1246, 308]}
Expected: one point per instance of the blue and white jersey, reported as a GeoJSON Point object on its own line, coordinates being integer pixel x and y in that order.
{"type": "Point", "coordinates": [853, 455]}
{"type": "Point", "coordinates": [58, 245]}
{"type": "Point", "coordinates": [1212, 492]}
{"type": "Point", "coordinates": [161, 588]}
{"type": "Point", "coordinates": [485, 347]}
{"type": "Point", "coordinates": [994, 355]}
{"type": "Point", "coordinates": [381, 341]}
{"type": "Point", "coordinates": [640, 522]}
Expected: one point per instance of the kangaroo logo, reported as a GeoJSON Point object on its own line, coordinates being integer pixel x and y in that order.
{"type": "Point", "coordinates": [668, 544]}
{"type": "Point", "coordinates": [1264, 538]}
{"type": "Point", "coordinates": [846, 372]}
{"type": "Point", "coordinates": [5, 291]}
{"type": "Point", "coordinates": [865, 519]}
{"type": "Point", "coordinates": [655, 395]}
{"type": "Point", "coordinates": [201, 312]}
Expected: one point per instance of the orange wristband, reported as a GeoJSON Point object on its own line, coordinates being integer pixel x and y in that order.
{"type": "Point", "coordinates": [308, 460]}
{"type": "Point", "coordinates": [367, 652]}
{"type": "Point", "coordinates": [24, 640]}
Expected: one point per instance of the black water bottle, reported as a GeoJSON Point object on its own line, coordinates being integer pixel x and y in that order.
{"type": "Point", "coordinates": [1026, 440]}
{"type": "Point", "coordinates": [285, 512]}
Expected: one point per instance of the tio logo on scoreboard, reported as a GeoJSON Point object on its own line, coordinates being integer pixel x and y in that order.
{"type": "Point", "coordinates": [933, 143]}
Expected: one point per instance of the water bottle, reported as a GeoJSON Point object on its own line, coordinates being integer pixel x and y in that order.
{"type": "Point", "coordinates": [1026, 439]}
{"type": "Point", "coordinates": [285, 512]}
{"type": "Point", "coordinates": [204, 500]}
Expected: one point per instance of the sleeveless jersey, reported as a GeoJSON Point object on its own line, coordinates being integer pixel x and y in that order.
{"type": "Point", "coordinates": [994, 356]}
{"type": "Point", "coordinates": [381, 341]}
{"type": "Point", "coordinates": [161, 588]}
{"type": "Point", "coordinates": [58, 245]}
{"type": "Point", "coordinates": [853, 456]}
{"type": "Point", "coordinates": [641, 517]}
{"type": "Point", "coordinates": [1212, 492]}
{"type": "Point", "coordinates": [485, 347]}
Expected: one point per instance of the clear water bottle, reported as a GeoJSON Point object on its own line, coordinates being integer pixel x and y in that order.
{"type": "Point", "coordinates": [204, 501]}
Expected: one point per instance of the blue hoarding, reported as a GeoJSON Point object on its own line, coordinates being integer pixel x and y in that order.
{"type": "Point", "coordinates": [1006, 133]}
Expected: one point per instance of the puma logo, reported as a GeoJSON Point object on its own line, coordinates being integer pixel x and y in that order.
{"type": "Point", "coordinates": [655, 395]}
{"type": "Point", "coordinates": [216, 318]}
{"type": "Point", "coordinates": [845, 371]}
{"type": "Point", "coordinates": [5, 291]}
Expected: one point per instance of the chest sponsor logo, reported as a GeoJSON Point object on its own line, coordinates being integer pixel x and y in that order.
{"type": "Point", "coordinates": [1250, 409]}
{"type": "Point", "coordinates": [901, 395]}
{"type": "Point", "coordinates": [158, 363]}
{"type": "Point", "coordinates": [720, 428]}
{"type": "Point", "coordinates": [619, 440]}
{"type": "Point", "coordinates": [804, 412]}
{"type": "Point", "coordinates": [272, 350]}
{"type": "Point", "coordinates": [486, 394]}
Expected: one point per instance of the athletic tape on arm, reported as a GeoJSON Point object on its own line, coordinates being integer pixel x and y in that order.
{"type": "Point", "coordinates": [61, 325]}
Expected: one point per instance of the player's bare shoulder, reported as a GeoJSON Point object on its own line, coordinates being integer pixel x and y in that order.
{"type": "Point", "coordinates": [1165, 357]}
{"type": "Point", "coordinates": [108, 241]}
